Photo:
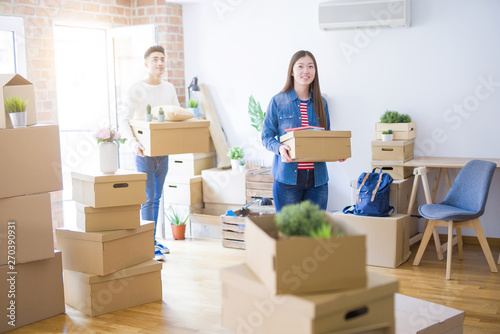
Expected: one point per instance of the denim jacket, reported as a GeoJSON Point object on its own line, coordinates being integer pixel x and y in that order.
{"type": "Point", "coordinates": [283, 113]}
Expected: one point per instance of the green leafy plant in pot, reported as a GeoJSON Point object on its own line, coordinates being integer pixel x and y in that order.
{"type": "Point", "coordinates": [149, 115]}
{"type": "Point", "coordinates": [257, 116]}
{"type": "Point", "coordinates": [192, 106]}
{"type": "Point", "coordinates": [16, 108]}
{"type": "Point", "coordinates": [161, 115]}
{"type": "Point", "coordinates": [236, 155]}
{"type": "Point", "coordinates": [387, 135]}
{"type": "Point", "coordinates": [178, 224]}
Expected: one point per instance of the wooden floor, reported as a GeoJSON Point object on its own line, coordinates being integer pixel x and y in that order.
{"type": "Point", "coordinates": [192, 294]}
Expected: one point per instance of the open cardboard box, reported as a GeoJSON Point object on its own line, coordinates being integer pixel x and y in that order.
{"type": "Point", "coordinates": [170, 137]}
{"type": "Point", "coordinates": [304, 264]}
{"type": "Point", "coordinates": [14, 85]}
{"type": "Point", "coordinates": [313, 146]}
{"type": "Point", "coordinates": [249, 307]}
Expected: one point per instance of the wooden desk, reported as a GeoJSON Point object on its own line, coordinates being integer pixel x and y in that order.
{"type": "Point", "coordinates": [423, 165]}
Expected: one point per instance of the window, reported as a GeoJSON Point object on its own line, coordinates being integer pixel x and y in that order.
{"type": "Point", "coordinates": [12, 45]}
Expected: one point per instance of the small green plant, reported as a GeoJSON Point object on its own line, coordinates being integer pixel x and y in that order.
{"type": "Point", "coordinates": [175, 218]}
{"type": "Point", "coordinates": [256, 114]}
{"type": "Point", "coordinates": [300, 219]}
{"type": "Point", "coordinates": [161, 112]}
{"type": "Point", "coordinates": [15, 104]}
{"type": "Point", "coordinates": [326, 231]}
{"type": "Point", "coordinates": [192, 103]}
{"type": "Point", "coordinates": [235, 153]}
{"type": "Point", "coordinates": [392, 116]}
{"type": "Point", "coordinates": [148, 109]}
{"type": "Point", "coordinates": [388, 132]}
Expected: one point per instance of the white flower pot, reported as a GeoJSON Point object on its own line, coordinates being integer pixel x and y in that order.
{"type": "Point", "coordinates": [18, 119]}
{"type": "Point", "coordinates": [108, 157]}
{"type": "Point", "coordinates": [161, 118]}
{"type": "Point", "coordinates": [195, 112]}
{"type": "Point", "coordinates": [149, 117]}
{"type": "Point", "coordinates": [387, 137]}
{"type": "Point", "coordinates": [235, 165]}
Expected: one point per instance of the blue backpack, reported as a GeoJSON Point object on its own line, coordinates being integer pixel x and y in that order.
{"type": "Point", "coordinates": [372, 195]}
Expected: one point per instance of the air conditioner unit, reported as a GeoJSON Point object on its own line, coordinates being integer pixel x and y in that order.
{"type": "Point", "coordinates": [352, 14]}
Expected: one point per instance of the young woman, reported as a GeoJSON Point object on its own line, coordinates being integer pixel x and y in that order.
{"type": "Point", "coordinates": [299, 103]}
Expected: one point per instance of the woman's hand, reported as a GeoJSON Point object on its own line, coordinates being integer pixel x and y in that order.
{"type": "Point", "coordinates": [284, 153]}
{"type": "Point", "coordinates": [342, 160]}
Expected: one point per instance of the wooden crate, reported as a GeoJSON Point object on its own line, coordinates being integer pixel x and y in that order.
{"type": "Point", "coordinates": [401, 131]}
{"type": "Point", "coordinates": [259, 183]}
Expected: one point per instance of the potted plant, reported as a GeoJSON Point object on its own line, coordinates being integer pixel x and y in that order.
{"type": "Point", "coordinates": [161, 115]}
{"type": "Point", "coordinates": [401, 124]}
{"type": "Point", "coordinates": [108, 139]}
{"type": "Point", "coordinates": [149, 115]}
{"type": "Point", "coordinates": [236, 154]}
{"type": "Point", "coordinates": [387, 135]}
{"type": "Point", "coordinates": [193, 107]}
{"type": "Point", "coordinates": [256, 114]}
{"type": "Point", "coordinates": [178, 225]}
{"type": "Point", "coordinates": [16, 107]}
{"type": "Point", "coordinates": [305, 219]}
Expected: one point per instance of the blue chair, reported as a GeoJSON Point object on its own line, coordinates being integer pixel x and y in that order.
{"type": "Point", "coordinates": [462, 207]}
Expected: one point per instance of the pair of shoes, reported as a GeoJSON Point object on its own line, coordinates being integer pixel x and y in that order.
{"type": "Point", "coordinates": [161, 248]}
{"type": "Point", "coordinates": [159, 256]}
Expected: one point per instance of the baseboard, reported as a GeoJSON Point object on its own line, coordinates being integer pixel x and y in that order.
{"type": "Point", "coordinates": [472, 240]}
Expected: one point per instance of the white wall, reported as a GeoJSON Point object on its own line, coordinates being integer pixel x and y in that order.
{"type": "Point", "coordinates": [435, 71]}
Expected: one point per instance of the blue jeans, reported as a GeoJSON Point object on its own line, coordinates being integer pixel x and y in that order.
{"type": "Point", "coordinates": [156, 168]}
{"type": "Point", "coordinates": [285, 194]}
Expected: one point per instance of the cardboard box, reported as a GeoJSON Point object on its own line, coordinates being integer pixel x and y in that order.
{"type": "Point", "coordinates": [387, 238]}
{"type": "Point", "coordinates": [188, 165]}
{"type": "Point", "coordinates": [90, 219]}
{"type": "Point", "coordinates": [34, 161]}
{"type": "Point", "coordinates": [206, 223]}
{"type": "Point", "coordinates": [37, 292]}
{"type": "Point", "coordinates": [419, 316]}
{"type": "Point", "coordinates": [303, 264]}
{"type": "Point", "coordinates": [14, 85]}
{"type": "Point", "coordinates": [183, 190]}
{"type": "Point", "coordinates": [31, 230]}
{"type": "Point", "coordinates": [312, 146]}
{"type": "Point", "coordinates": [103, 253]}
{"type": "Point", "coordinates": [394, 169]}
{"type": "Point", "coordinates": [95, 295]}
{"type": "Point", "coordinates": [248, 307]}
{"type": "Point", "coordinates": [189, 136]}
{"type": "Point", "coordinates": [223, 186]}
{"type": "Point", "coordinates": [401, 150]}
{"type": "Point", "coordinates": [259, 183]}
{"type": "Point", "coordinates": [401, 131]}
{"type": "Point", "coordinates": [106, 190]}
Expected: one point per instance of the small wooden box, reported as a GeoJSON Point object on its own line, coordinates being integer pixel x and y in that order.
{"type": "Point", "coordinates": [394, 169]}
{"type": "Point", "coordinates": [314, 146]}
{"type": "Point", "coordinates": [164, 138]}
{"type": "Point", "coordinates": [259, 183]}
{"type": "Point", "coordinates": [401, 131]}
{"type": "Point", "coordinates": [400, 150]}
{"type": "Point", "coordinates": [105, 190]}
{"type": "Point", "coordinates": [191, 164]}
{"type": "Point", "coordinates": [183, 190]}
{"type": "Point", "coordinates": [90, 219]}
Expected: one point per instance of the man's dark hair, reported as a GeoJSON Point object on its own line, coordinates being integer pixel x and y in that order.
{"type": "Point", "coordinates": [156, 48]}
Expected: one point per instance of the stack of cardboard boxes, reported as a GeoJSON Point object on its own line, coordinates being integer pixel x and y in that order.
{"type": "Point", "coordinates": [108, 262]}
{"type": "Point", "coordinates": [305, 285]}
{"type": "Point", "coordinates": [30, 271]}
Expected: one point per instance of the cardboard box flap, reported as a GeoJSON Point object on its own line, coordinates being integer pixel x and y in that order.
{"type": "Point", "coordinates": [13, 80]}
{"type": "Point", "coordinates": [315, 134]}
{"type": "Point", "coordinates": [119, 176]}
{"type": "Point", "coordinates": [88, 209]}
{"type": "Point", "coordinates": [190, 123]}
{"type": "Point", "coordinates": [393, 143]}
{"type": "Point", "coordinates": [183, 179]}
{"type": "Point", "coordinates": [103, 236]}
{"type": "Point", "coordinates": [313, 305]}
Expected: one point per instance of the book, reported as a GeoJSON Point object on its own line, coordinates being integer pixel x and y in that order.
{"type": "Point", "coordinates": [306, 127]}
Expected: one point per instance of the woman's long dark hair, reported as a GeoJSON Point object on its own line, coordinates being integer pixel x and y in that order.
{"type": "Point", "coordinates": [319, 108]}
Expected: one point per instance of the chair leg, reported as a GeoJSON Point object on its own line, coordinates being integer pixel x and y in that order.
{"type": "Point", "coordinates": [449, 250]}
{"type": "Point", "coordinates": [431, 225]}
{"type": "Point", "coordinates": [460, 243]}
{"type": "Point", "coordinates": [484, 245]}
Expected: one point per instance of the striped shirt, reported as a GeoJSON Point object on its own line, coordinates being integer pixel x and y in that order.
{"type": "Point", "coordinates": [305, 121]}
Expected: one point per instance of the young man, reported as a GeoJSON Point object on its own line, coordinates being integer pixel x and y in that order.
{"type": "Point", "coordinates": [153, 91]}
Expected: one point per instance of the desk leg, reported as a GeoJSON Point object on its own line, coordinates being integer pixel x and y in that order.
{"type": "Point", "coordinates": [413, 198]}
{"type": "Point", "coordinates": [428, 199]}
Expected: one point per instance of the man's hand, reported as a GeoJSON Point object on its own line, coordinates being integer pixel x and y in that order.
{"type": "Point", "coordinates": [284, 153]}
{"type": "Point", "coordinates": [139, 149]}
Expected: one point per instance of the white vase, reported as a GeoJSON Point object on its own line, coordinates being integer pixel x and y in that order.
{"type": "Point", "coordinates": [108, 157]}
{"type": "Point", "coordinates": [18, 119]}
{"type": "Point", "coordinates": [235, 165]}
{"type": "Point", "coordinates": [387, 137]}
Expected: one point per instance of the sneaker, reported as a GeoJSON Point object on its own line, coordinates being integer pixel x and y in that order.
{"type": "Point", "coordinates": [161, 248]}
{"type": "Point", "coordinates": [159, 256]}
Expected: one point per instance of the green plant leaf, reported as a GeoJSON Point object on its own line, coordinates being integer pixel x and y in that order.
{"type": "Point", "coordinates": [257, 116]}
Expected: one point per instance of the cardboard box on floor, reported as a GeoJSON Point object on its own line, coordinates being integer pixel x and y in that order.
{"type": "Point", "coordinates": [387, 238]}
{"type": "Point", "coordinates": [90, 219]}
{"type": "Point", "coordinates": [14, 85]}
{"type": "Point", "coordinates": [169, 137]}
{"type": "Point", "coordinates": [312, 146]}
{"type": "Point", "coordinates": [103, 253]}
{"type": "Point", "coordinates": [191, 164]}
{"type": "Point", "coordinates": [39, 292]}
{"type": "Point", "coordinates": [416, 316]}
{"type": "Point", "coordinates": [303, 264]}
{"type": "Point", "coordinates": [107, 190]}
{"type": "Point", "coordinates": [31, 161]}
{"type": "Point", "coordinates": [223, 186]}
{"type": "Point", "coordinates": [32, 231]}
{"type": "Point", "coordinates": [249, 307]}
{"type": "Point", "coordinates": [95, 295]}
{"type": "Point", "coordinates": [183, 190]}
